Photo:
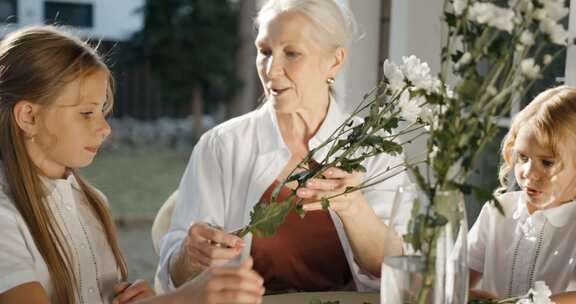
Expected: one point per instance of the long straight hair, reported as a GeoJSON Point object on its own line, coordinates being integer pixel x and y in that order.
{"type": "Point", "coordinates": [35, 65]}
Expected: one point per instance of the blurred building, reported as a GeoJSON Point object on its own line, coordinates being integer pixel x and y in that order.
{"type": "Point", "coordinates": [109, 20]}
{"type": "Point", "coordinates": [387, 29]}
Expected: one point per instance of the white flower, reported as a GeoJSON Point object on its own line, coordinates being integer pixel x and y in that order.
{"type": "Point", "coordinates": [529, 69]}
{"type": "Point", "coordinates": [540, 14]}
{"type": "Point", "coordinates": [524, 6]}
{"type": "Point", "coordinates": [410, 107]}
{"type": "Point", "coordinates": [449, 92]}
{"type": "Point", "coordinates": [555, 9]}
{"type": "Point", "coordinates": [464, 60]}
{"type": "Point", "coordinates": [429, 114]}
{"type": "Point", "coordinates": [418, 73]}
{"type": "Point", "coordinates": [488, 13]}
{"type": "Point", "coordinates": [558, 35]}
{"type": "Point", "coordinates": [460, 6]}
{"type": "Point", "coordinates": [547, 59]}
{"type": "Point", "coordinates": [526, 38]}
{"type": "Point", "coordinates": [394, 76]}
{"type": "Point", "coordinates": [434, 152]}
{"type": "Point", "coordinates": [541, 293]}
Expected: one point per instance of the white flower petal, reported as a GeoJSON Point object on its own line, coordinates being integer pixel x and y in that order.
{"type": "Point", "coordinates": [394, 75]}
{"type": "Point", "coordinates": [409, 107]}
{"type": "Point", "coordinates": [529, 68]}
{"type": "Point", "coordinates": [418, 73]}
{"type": "Point", "coordinates": [526, 38]}
{"type": "Point", "coordinates": [460, 6]}
{"type": "Point", "coordinates": [547, 59]}
{"type": "Point", "coordinates": [555, 31]}
{"type": "Point", "coordinates": [492, 15]}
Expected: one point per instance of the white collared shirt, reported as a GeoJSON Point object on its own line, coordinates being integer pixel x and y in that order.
{"type": "Point", "coordinates": [234, 163]}
{"type": "Point", "coordinates": [93, 260]}
{"type": "Point", "coordinates": [516, 250]}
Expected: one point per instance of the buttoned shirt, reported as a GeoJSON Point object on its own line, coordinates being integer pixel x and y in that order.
{"type": "Point", "coordinates": [92, 259]}
{"type": "Point", "coordinates": [514, 250]}
{"type": "Point", "coordinates": [233, 164]}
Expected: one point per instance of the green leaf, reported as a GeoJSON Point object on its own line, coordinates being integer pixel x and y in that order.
{"type": "Point", "coordinates": [301, 212]}
{"type": "Point", "coordinates": [325, 204]}
{"type": "Point", "coordinates": [351, 165]}
{"type": "Point", "coordinates": [265, 218]}
{"type": "Point", "coordinates": [391, 147]}
{"type": "Point", "coordinates": [450, 19]}
{"type": "Point", "coordinates": [415, 226]}
{"type": "Point", "coordinates": [389, 124]}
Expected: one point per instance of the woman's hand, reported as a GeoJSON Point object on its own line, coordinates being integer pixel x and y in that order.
{"type": "Point", "coordinates": [223, 284]}
{"type": "Point", "coordinates": [204, 246]}
{"type": "Point", "coordinates": [335, 183]}
{"type": "Point", "coordinates": [126, 292]}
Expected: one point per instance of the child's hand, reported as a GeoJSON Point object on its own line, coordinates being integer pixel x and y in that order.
{"type": "Point", "coordinates": [127, 292]}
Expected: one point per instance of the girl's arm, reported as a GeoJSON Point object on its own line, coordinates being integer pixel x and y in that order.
{"type": "Point", "coordinates": [31, 292]}
{"type": "Point", "coordinates": [474, 276]}
{"type": "Point", "coordinates": [564, 298]}
{"type": "Point", "coordinates": [224, 284]}
{"type": "Point", "coordinates": [476, 294]}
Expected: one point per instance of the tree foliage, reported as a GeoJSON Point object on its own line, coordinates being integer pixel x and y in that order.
{"type": "Point", "coordinates": [189, 43]}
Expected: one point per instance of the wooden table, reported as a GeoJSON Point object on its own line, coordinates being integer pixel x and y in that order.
{"type": "Point", "coordinates": [344, 297]}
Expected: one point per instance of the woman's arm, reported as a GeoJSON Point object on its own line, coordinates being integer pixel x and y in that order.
{"type": "Point", "coordinates": [31, 292]}
{"type": "Point", "coordinates": [370, 239]}
{"type": "Point", "coordinates": [190, 246]}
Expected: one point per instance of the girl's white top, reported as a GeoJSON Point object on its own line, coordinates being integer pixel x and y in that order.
{"type": "Point", "coordinates": [234, 163]}
{"type": "Point", "coordinates": [93, 260]}
{"type": "Point", "coordinates": [514, 251]}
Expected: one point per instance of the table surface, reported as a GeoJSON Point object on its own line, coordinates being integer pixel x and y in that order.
{"type": "Point", "coordinates": [343, 297]}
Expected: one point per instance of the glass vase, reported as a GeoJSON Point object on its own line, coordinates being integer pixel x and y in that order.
{"type": "Point", "coordinates": [434, 267]}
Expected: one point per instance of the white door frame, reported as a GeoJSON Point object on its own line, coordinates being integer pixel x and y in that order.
{"type": "Point", "coordinates": [570, 75]}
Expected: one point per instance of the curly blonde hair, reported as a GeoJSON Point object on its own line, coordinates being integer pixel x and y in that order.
{"type": "Point", "coordinates": [552, 115]}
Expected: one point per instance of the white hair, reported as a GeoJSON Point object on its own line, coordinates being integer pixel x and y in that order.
{"type": "Point", "coordinates": [332, 17]}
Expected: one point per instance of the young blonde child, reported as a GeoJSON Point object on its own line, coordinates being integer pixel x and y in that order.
{"type": "Point", "coordinates": [534, 240]}
{"type": "Point", "coordinates": [57, 237]}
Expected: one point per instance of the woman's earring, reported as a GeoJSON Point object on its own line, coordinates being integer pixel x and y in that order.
{"type": "Point", "coordinates": [330, 81]}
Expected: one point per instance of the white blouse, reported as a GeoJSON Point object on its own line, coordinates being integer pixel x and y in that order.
{"type": "Point", "coordinates": [93, 260]}
{"type": "Point", "coordinates": [516, 250]}
{"type": "Point", "coordinates": [234, 163]}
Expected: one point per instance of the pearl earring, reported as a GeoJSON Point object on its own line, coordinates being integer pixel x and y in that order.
{"type": "Point", "coordinates": [330, 81]}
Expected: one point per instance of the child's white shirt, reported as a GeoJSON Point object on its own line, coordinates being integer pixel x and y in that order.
{"type": "Point", "coordinates": [516, 250]}
{"type": "Point", "coordinates": [93, 260]}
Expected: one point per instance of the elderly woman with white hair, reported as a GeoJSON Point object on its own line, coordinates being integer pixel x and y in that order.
{"type": "Point", "coordinates": [301, 46]}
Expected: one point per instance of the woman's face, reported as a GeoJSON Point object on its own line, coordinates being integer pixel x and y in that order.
{"type": "Point", "coordinates": [292, 65]}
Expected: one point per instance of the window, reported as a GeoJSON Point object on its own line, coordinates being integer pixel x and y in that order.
{"type": "Point", "coordinates": [66, 13]}
{"type": "Point", "coordinates": [8, 11]}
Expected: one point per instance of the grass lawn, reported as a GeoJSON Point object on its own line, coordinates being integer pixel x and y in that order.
{"type": "Point", "coordinates": [136, 182]}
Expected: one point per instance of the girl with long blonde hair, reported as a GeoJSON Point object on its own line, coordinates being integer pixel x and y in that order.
{"type": "Point", "coordinates": [57, 236]}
